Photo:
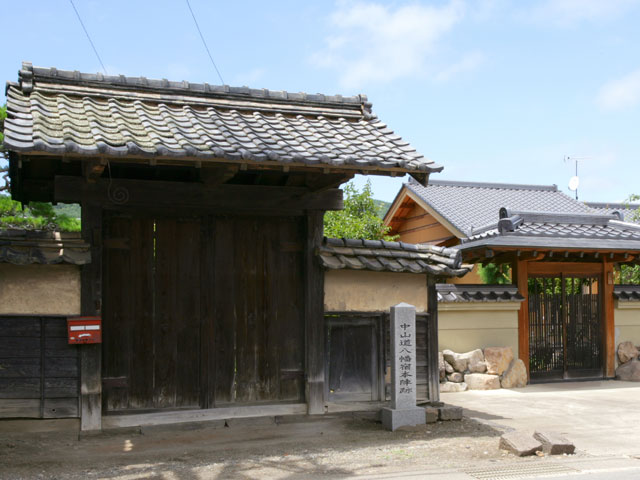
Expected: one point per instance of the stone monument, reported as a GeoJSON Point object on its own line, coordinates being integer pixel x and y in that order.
{"type": "Point", "coordinates": [403, 411]}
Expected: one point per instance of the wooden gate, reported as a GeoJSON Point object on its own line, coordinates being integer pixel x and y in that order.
{"type": "Point", "coordinates": [565, 327]}
{"type": "Point", "coordinates": [202, 312]}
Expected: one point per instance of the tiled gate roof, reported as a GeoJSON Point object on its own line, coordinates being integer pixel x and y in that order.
{"type": "Point", "coordinates": [66, 112]}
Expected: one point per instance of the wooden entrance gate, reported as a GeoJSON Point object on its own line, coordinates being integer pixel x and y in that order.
{"type": "Point", "coordinates": [202, 311]}
{"type": "Point", "coordinates": [565, 327]}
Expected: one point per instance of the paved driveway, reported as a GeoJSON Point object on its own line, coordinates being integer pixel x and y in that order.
{"type": "Point", "coordinates": [601, 418]}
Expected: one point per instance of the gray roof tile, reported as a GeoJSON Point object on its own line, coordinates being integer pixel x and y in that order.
{"type": "Point", "coordinates": [456, 293]}
{"type": "Point", "coordinates": [473, 205]}
{"type": "Point", "coordinates": [378, 255]}
{"type": "Point", "coordinates": [57, 111]}
{"type": "Point", "coordinates": [630, 211]}
{"type": "Point", "coordinates": [23, 247]}
{"type": "Point", "coordinates": [627, 293]}
{"type": "Point", "coordinates": [554, 230]}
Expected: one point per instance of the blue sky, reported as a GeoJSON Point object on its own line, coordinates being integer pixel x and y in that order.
{"type": "Point", "coordinates": [494, 90]}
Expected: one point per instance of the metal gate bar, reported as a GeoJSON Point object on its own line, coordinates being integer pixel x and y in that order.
{"type": "Point", "coordinates": [565, 327]}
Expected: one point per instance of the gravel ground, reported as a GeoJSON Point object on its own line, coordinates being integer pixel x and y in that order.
{"type": "Point", "coordinates": [332, 447]}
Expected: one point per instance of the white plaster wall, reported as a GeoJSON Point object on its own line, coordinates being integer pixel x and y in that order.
{"type": "Point", "coordinates": [627, 322]}
{"type": "Point", "coordinates": [465, 327]}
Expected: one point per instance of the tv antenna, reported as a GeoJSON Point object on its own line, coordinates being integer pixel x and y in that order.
{"type": "Point", "coordinates": [574, 181]}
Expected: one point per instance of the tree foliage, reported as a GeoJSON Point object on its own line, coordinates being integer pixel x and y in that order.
{"type": "Point", "coordinates": [630, 274]}
{"type": "Point", "coordinates": [492, 273]}
{"type": "Point", "coordinates": [359, 219]}
{"type": "Point", "coordinates": [35, 216]}
{"type": "Point", "coordinates": [3, 115]}
{"type": "Point", "coordinates": [4, 168]}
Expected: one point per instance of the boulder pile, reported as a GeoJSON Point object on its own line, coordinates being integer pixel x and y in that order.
{"type": "Point", "coordinates": [493, 368]}
{"type": "Point", "coordinates": [629, 369]}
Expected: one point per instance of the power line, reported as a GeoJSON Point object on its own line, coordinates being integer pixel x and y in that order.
{"type": "Point", "coordinates": [88, 37]}
{"type": "Point", "coordinates": [204, 42]}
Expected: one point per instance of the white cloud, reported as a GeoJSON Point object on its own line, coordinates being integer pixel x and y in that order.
{"type": "Point", "coordinates": [372, 42]}
{"type": "Point", "coordinates": [570, 12]}
{"type": "Point", "coordinates": [469, 62]}
{"type": "Point", "coordinates": [620, 93]}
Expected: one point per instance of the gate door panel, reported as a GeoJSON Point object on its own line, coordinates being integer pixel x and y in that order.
{"type": "Point", "coordinates": [565, 327]}
{"type": "Point", "coordinates": [354, 347]}
{"type": "Point", "coordinates": [151, 335]}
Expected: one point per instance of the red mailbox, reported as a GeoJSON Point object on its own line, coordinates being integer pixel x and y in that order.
{"type": "Point", "coordinates": [84, 330]}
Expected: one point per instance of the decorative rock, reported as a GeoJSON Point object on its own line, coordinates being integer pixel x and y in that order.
{"type": "Point", "coordinates": [448, 368]}
{"type": "Point", "coordinates": [451, 387]}
{"type": "Point", "coordinates": [554, 444]}
{"type": "Point", "coordinates": [498, 359]}
{"type": "Point", "coordinates": [441, 366]}
{"type": "Point", "coordinates": [520, 443]}
{"type": "Point", "coordinates": [482, 381]}
{"type": "Point", "coordinates": [432, 414]}
{"type": "Point", "coordinates": [457, 360]}
{"type": "Point", "coordinates": [628, 372]}
{"type": "Point", "coordinates": [476, 361]}
{"type": "Point", "coordinates": [627, 352]}
{"type": "Point", "coordinates": [456, 377]}
{"type": "Point", "coordinates": [450, 412]}
{"type": "Point", "coordinates": [472, 361]}
{"type": "Point", "coordinates": [515, 376]}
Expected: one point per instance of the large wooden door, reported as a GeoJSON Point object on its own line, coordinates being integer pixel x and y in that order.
{"type": "Point", "coordinates": [565, 327]}
{"type": "Point", "coordinates": [202, 312]}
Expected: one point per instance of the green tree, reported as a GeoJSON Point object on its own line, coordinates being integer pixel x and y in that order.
{"type": "Point", "coordinates": [35, 216]}
{"type": "Point", "coordinates": [492, 273]}
{"type": "Point", "coordinates": [4, 168]}
{"type": "Point", "coordinates": [359, 219]}
{"type": "Point", "coordinates": [630, 274]}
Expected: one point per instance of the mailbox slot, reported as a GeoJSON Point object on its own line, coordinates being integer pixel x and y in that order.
{"type": "Point", "coordinates": [82, 330]}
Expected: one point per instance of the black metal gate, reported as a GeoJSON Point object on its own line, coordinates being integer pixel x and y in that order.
{"type": "Point", "coordinates": [565, 327]}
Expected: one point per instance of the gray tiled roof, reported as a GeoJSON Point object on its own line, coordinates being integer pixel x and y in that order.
{"type": "Point", "coordinates": [458, 293]}
{"type": "Point", "coordinates": [380, 256]}
{"type": "Point", "coordinates": [553, 230]}
{"type": "Point", "coordinates": [627, 293]}
{"type": "Point", "coordinates": [630, 211]}
{"type": "Point", "coordinates": [65, 112]}
{"type": "Point", "coordinates": [23, 247]}
{"type": "Point", "coordinates": [473, 205]}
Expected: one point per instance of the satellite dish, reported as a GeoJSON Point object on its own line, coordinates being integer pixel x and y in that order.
{"type": "Point", "coordinates": [573, 183]}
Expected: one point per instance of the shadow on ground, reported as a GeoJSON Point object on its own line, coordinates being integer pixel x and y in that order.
{"type": "Point", "coordinates": [332, 447]}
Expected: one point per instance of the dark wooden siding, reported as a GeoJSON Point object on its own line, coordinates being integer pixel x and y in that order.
{"type": "Point", "coordinates": [38, 368]}
{"type": "Point", "coordinates": [355, 342]}
{"type": "Point", "coordinates": [203, 311]}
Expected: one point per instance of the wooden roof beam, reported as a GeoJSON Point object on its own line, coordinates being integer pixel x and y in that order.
{"type": "Point", "coordinates": [92, 169]}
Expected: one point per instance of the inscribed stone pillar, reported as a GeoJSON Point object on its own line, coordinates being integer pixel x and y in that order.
{"type": "Point", "coordinates": [403, 411]}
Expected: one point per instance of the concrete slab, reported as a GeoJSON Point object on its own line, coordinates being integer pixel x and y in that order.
{"type": "Point", "coordinates": [520, 443]}
{"type": "Point", "coordinates": [554, 444]}
{"type": "Point", "coordinates": [598, 416]}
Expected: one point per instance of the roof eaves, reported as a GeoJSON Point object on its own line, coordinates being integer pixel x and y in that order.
{"type": "Point", "coordinates": [432, 210]}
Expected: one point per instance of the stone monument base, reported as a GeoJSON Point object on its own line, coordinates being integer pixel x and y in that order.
{"type": "Point", "coordinates": [393, 419]}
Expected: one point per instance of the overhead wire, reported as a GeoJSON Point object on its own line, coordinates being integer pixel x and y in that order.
{"type": "Point", "coordinates": [88, 36]}
{"type": "Point", "coordinates": [204, 42]}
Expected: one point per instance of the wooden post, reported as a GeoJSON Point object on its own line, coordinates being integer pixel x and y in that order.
{"type": "Point", "coordinates": [520, 276]}
{"type": "Point", "coordinates": [314, 315]}
{"type": "Point", "coordinates": [433, 367]}
{"type": "Point", "coordinates": [608, 320]}
{"type": "Point", "coordinates": [91, 304]}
